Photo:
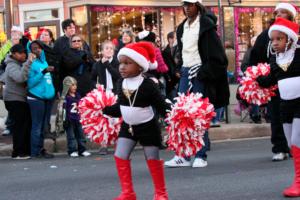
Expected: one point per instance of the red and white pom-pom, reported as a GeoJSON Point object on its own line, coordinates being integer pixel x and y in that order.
{"type": "Point", "coordinates": [187, 122]}
{"type": "Point", "coordinates": [250, 89]}
{"type": "Point", "coordinates": [99, 128]}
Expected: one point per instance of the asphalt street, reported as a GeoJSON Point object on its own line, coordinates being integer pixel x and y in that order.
{"type": "Point", "coordinates": [238, 170]}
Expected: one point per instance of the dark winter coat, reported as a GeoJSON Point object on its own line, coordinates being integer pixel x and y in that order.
{"type": "Point", "coordinates": [259, 52]}
{"type": "Point", "coordinates": [67, 57]}
{"type": "Point", "coordinates": [170, 60]}
{"type": "Point", "coordinates": [213, 72]}
{"type": "Point", "coordinates": [99, 72]}
{"type": "Point", "coordinates": [80, 68]}
{"type": "Point", "coordinates": [53, 59]}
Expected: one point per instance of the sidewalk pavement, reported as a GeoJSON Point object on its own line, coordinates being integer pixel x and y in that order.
{"type": "Point", "coordinates": [225, 132]}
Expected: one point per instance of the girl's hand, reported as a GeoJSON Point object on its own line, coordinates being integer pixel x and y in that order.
{"type": "Point", "coordinates": [50, 69]}
{"type": "Point", "coordinates": [31, 57]}
{"type": "Point", "coordinates": [104, 59]}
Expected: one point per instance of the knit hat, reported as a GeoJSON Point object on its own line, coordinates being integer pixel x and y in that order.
{"type": "Point", "coordinates": [67, 83]}
{"type": "Point", "coordinates": [143, 53]}
{"type": "Point", "coordinates": [192, 1]}
{"type": "Point", "coordinates": [287, 27]}
{"type": "Point", "coordinates": [16, 28]}
{"type": "Point", "coordinates": [147, 36]}
{"type": "Point", "coordinates": [287, 6]}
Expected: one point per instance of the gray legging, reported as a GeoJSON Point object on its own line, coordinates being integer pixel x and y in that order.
{"type": "Point", "coordinates": [292, 132]}
{"type": "Point", "coordinates": [125, 146]}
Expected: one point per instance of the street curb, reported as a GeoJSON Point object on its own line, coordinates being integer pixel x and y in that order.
{"type": "Point", "coordinates": [226, 132]}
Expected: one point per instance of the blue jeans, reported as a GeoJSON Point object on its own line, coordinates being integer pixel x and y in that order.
{"type": "Point", "coordinates": [47, 122]}
{"type": "Point", "coordinates": [198, 86]}
{"type": "Point", "coordinates": [219, 115]}
{"type": "Point", "coordinates": [38, 115]}
{"type": "Point", "coordinates": [75, 137]}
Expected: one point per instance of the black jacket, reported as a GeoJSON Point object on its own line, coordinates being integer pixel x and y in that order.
{"type": "Point", "coordinates": [80, 67]}
{"type": "Point", "coordinates": [67, 57]}
{"type": "Point", "coordinates": [99, 73]}
{"type": "Point", "coordinates": [53, 59]}
{"type": "Point", "coordinates": [259, 52]}
{"type": "Point", "coordinates": [213, 72]}
{"type": "Point", "coordinates": [170, 60]}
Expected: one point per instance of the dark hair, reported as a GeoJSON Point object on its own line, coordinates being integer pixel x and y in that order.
{"type": "Point", "coordinates": [50, 34]}
{"type": "Point", "coordinates": [201, 9]}
{"type": "Point", "coordinates": [171, 35]}
{"type": "Point", "coordinates": [67, 23]}
{"type": "Point", "coordinates": [38, 42]}
{"type": "Point", "coordinates": [17, 48]}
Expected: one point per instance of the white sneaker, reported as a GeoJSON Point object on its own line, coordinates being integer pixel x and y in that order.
{"type": "Point", "coordinates": [178, 162]}
{"type": "Point", "coordinates": [5, 132]}
{"type": "Point", "coordinates": [74, 155]}
{"type": "Point", "coordinates": [21, 157]}
{"type": "Point", "coordinates": [279, 157]}
{"type": "Point", "coordinates": [85, 154]}
{"type": "Point", "coordinates": [199, 162]}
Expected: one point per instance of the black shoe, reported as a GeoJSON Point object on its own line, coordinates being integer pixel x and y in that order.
{"type": "Point", "coordinates": [45, 154]}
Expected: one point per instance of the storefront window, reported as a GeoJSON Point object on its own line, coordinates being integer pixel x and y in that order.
{"type": "Point", "coordinates": [80, 16]}
{"type": "Point", "coordinates": [1, 22]}
{"type": "Point", "coordinates": [41, 15]}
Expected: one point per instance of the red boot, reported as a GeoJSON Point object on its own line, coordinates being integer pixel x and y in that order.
{"type": "Point", "coordinates": [294, 189]}
{"type": "Point", "coordinates": [124, 172]}
{"type": "Point", "coordinates": [156, 168]}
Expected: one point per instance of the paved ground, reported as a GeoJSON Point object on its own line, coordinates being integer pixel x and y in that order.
{"type": "Point", "coordinates": [238, 170]}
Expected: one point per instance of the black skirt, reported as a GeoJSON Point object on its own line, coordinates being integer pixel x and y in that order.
{"type": "Point", "coordinates": [147, 134]}
{"type": "Point", "coordinates": [289, 109]}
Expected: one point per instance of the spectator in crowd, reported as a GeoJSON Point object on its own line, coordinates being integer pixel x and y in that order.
{"type": "Point", "coordinates": [63, 48]}
{"type": "Point", "coordinates": [72, 120]}
{"type": "Point", "coordinates": [127, 38]}
{"type": "Point", "coordinates": [201, 70]}
{"type": "Point", "coordinates": [14, 96]}
{"type": "Point", "coordinates": [16, 38]}
{"type": "Point", "coordinates": [106, 72]}
{"type": "Point", "coordinates": [52, 58]}
{"type": "Point", "coordinates": [40, 93]}
{"type": "Point", "coordinates": [169, 54]}
{"type": "Point", "coordinates": [159, 71]}
{"type": "Point", "coordinates": [80, 67]}
{"type": "Point", "coordinates": [261, 54]}
{"type": "Point", "coordinates": [254, 109]}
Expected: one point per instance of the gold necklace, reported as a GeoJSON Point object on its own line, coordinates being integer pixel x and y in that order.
{"type": "Point", "coordinates": [284, 67]}
{"type": "Point", "coordinates": [128, 93]}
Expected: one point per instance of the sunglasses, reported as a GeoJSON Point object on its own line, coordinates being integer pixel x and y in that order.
{"type": "Point", "coordinates": [76, 41]}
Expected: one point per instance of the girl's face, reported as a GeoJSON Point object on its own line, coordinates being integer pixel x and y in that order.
{"type": "Point", "coordinates": [45, 37]}
{"type": "Point", "coordinates": [76, 42]}
{"type": "Point", "coordinates": [73, 89]}
{"type": "Point", "coordinates": [279, 41]}
{"type": "Point", "coordinates": [126, 39]}
{"type": "Point", "coordinates": [108, 50]}
{"type": "Point", "coordinates": [283, 13]}
{"type": "Point", "coordinates": [128, 68]}
{"type": "Point", "coordinates": [21, 57]}
{"type": "Point", "coordinates": [36, 49]}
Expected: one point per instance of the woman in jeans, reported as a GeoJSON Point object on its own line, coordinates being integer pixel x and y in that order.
{"type": "Point", "coordinates": [40, 92]}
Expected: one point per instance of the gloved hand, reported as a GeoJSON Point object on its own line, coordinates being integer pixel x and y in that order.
{"type": "Point", "coordinates": [264, 81]}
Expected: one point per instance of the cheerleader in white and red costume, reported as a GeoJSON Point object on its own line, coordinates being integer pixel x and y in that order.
{"type": "Point", "coordinates": [285, 70]}
{"type": "Point", "coordinates": [137, 96]}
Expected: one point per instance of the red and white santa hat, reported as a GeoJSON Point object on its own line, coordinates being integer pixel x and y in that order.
{"type": "Point", "coordinates": [288, 27]}
{"type": "Point", "coordinates": [143, 53]}
{"type": "Point", "coordinates": [287, 6]}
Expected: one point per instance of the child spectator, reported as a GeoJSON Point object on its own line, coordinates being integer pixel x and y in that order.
{"type": "Point", "coordinates": [106, 70]}
{"type": "Point", "coordinates": [14, 96]}
{"type": "Point", "coordinates": [72, 120]}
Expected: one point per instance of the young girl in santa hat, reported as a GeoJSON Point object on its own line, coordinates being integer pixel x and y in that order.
{"type": "Point", "coordinates": [137, 96]}
{"type": "Point", "coordinates": [285, 70]}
